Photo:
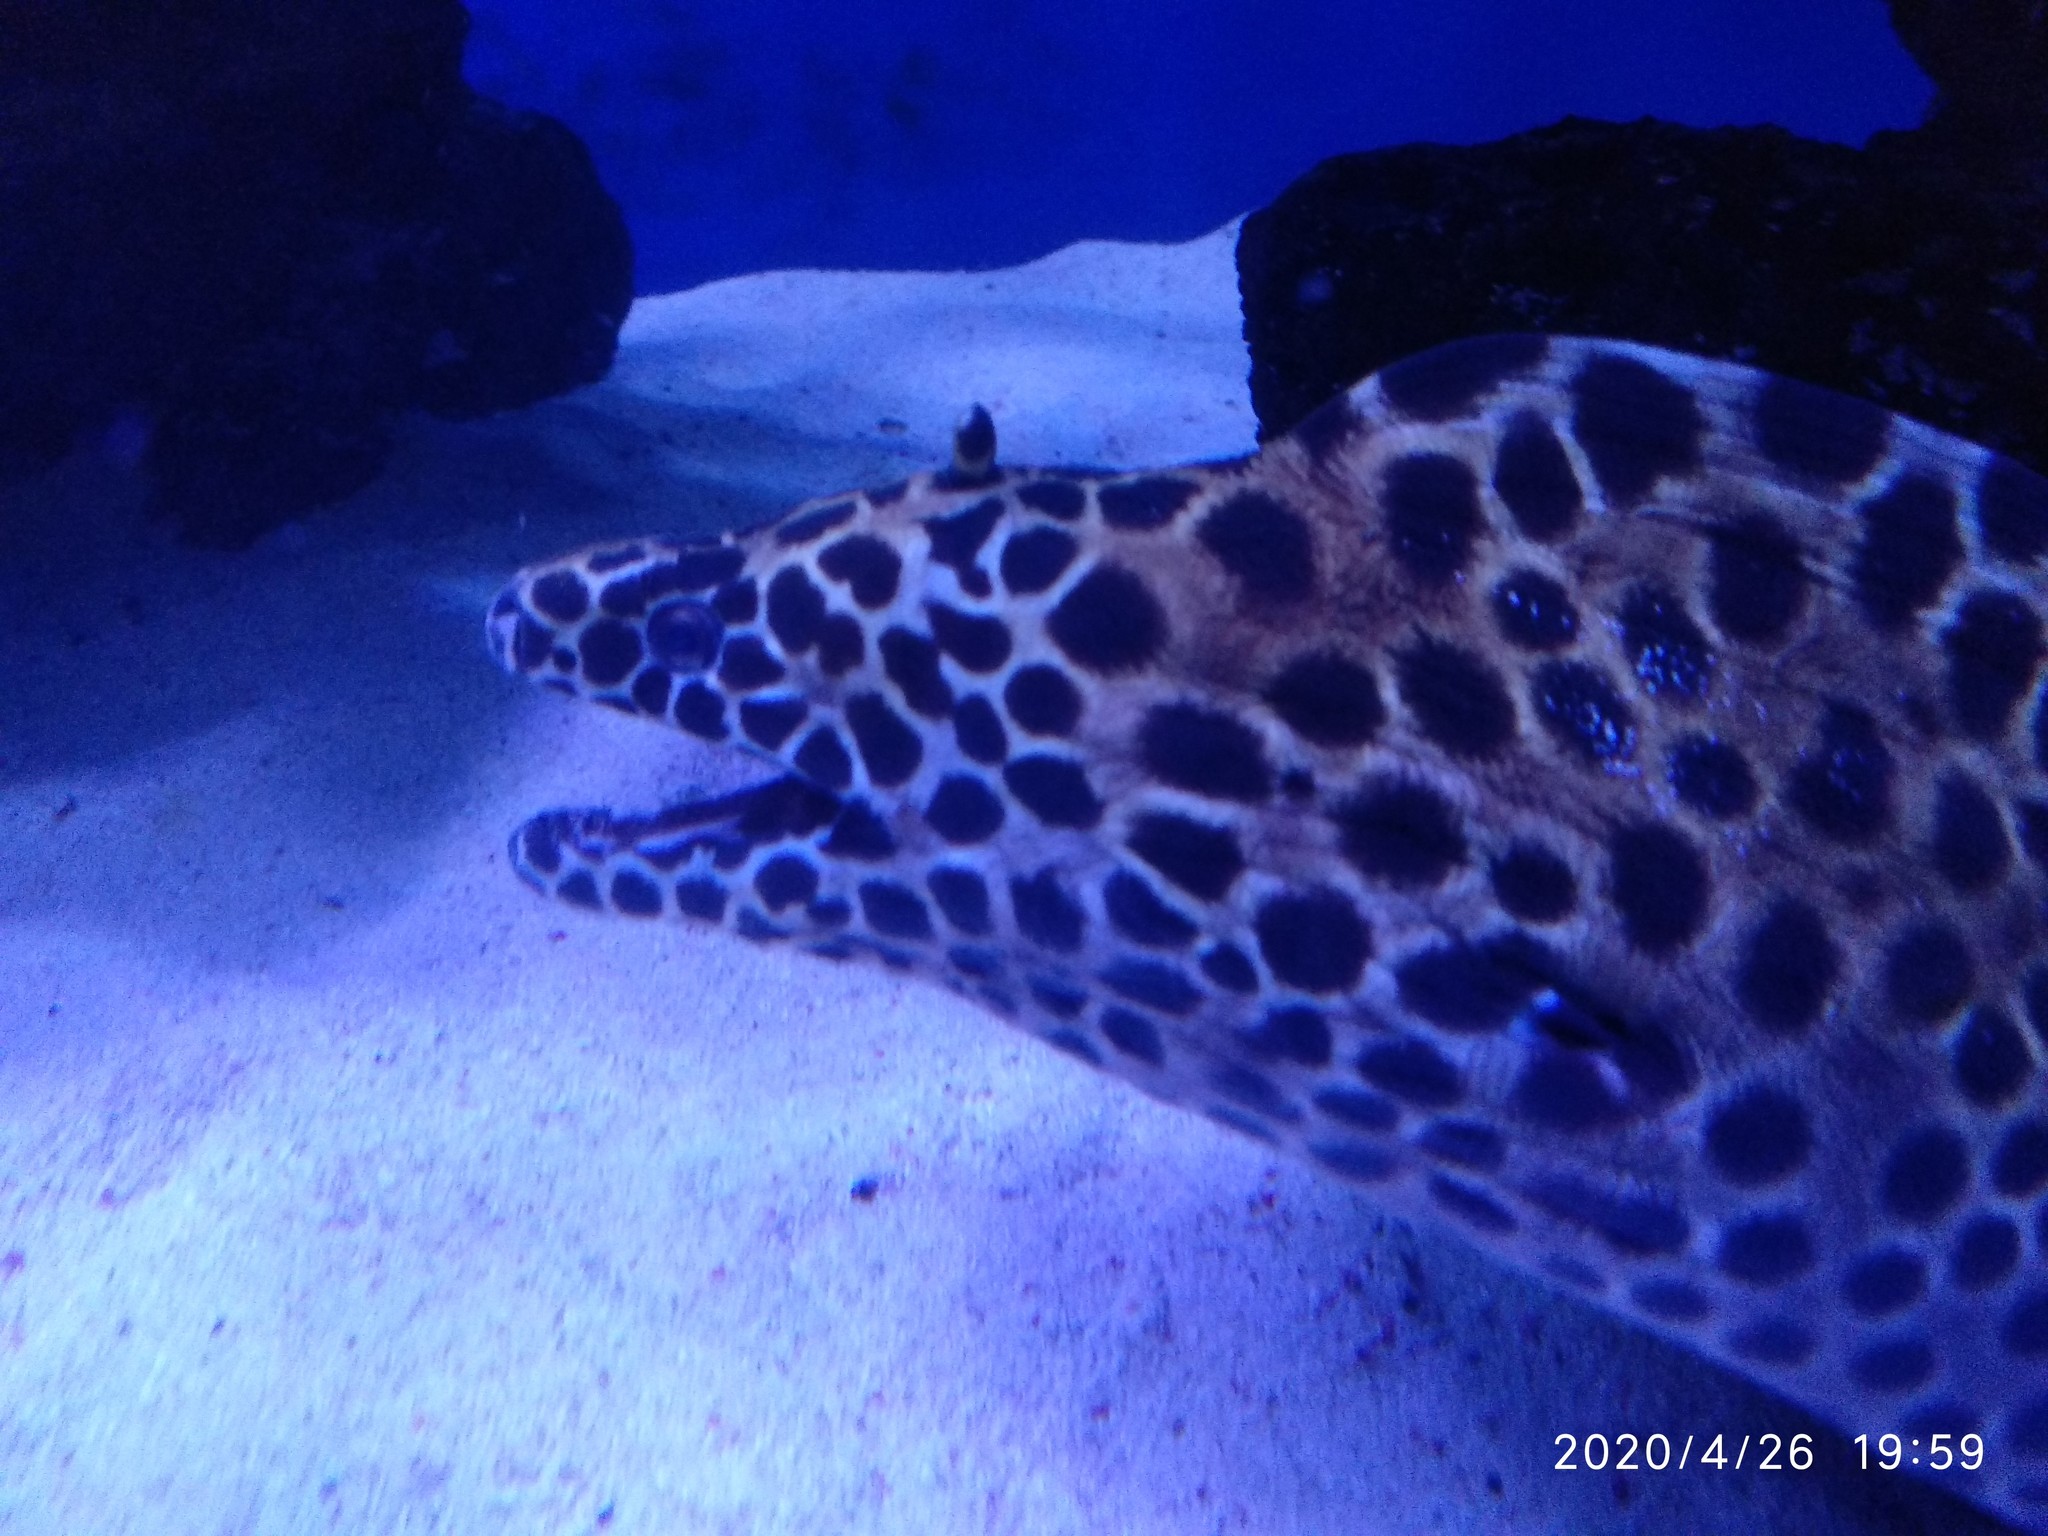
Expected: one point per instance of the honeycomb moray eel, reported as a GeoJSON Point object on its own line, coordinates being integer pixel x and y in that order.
{"type": "Point", "coordinates": [1593, 797]}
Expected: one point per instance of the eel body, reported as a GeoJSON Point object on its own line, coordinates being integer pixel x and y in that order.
{"type": "Point", "coordinates": [1596, 798]}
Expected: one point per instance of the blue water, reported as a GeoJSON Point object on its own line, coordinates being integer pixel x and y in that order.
{"type": "Point", "coordinates": [968, 133]}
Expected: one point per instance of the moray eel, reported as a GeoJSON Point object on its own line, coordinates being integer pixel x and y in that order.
{"type": "Point", "coordinates": [1593, 797]}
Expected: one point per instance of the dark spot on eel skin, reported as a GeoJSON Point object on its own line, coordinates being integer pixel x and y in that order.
{"type": "Point", "coordinates": [1457, 699]}
{"type": "Point", "coordinates": [634, 894]}
{"type": "Point", "coordinates": [1535, 481]}
{"type": "Point", "coordinates": [1450, 379]}
{"type": "Point", "coordinates": [912, 663]}
{"type": "Point", "coordinates": [2012, 511]}
{"type": "Point", "coordinates": [1054, 789]}
{"type": "Point", "coordinates": [1711, 777]}
{"type": "Point", "coordinates": [1328, 700]}
{"type": "Point", "coordinates": [1431, 505]}
{"type": "Point", "coordinates": [1842, 785]}
{"type": "Point", "coordinates": [1055, 498]}
{"type": "Point", "coordinates": [867, 567]}
{"type": "Point", "coordinates": [979, 732]}
{"type": "Point", "coordinates": [1137, 913]}
{"type": "Point", "coordinates": [1313, 940]}
{"type": "Point", "coordinates": [561, 596]}
{"type": "Point", "coordinates": [1670, 654]}
{"type": "Point", "coordinates": [807, 526]}
{"type": "Point", "coordinates": [1534, 612]}
{"type": "Point", "coordinates": [1149, 502]}
{"type": "Point", "coordinates": [1910, 548]}
{"type": "Point", "coordinates": [1756, 579]}
{"type": "Point", "coordinates": [796, 609]}
{"type": "Point", "coordinates": [1205, 752]}
{"type": "Point", "coordinates": [1042, 700]}
{"type": "Point", "coordinates": [1658, 884]}
{"type": "Point", "coordinates": [1045, 913]}
{"type": "Point", "coordinates": [737, 601]}
{"type": "Point", "coordinates": [957, 538]}
{"type": "Point", "coordinates": [1634, 424]}
{"type": "Point", "coordinates": [1583, 711]}
{"type": "Point", "coordinates": [1827, 436]}
{"type": "Point", "coordinates": [1788, 967]}
{"type": "Point", "coordinates": [1534, 884]}
{"type": "Point", "coordinates": [1404, 834]}
{"type": "Point", "coordinates": [1994, 649]}
{"type": "Point", "coordinates": [1265, 544]}
{"type": "Point", "coordinates": [1035, 558]}
{"type": "Point", "coordinates": [1109, 621]}
{"type": "Point", "coordinates": [962, 896]}
{"type": "Point", "coordinates": [979, 642]}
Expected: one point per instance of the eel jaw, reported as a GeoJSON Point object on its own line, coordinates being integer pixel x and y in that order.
{"type": "Point", "coordinates": [575, 854]}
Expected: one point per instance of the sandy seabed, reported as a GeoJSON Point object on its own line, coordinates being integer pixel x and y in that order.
{"type": "Point", "coordinates": [346, 1186]}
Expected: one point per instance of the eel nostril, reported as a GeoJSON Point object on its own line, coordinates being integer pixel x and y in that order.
{"type": "Point", "coordinates": [683, 635]}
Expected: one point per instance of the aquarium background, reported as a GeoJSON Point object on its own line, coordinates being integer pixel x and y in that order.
{"type": "Point", "coordinates": [934, 135]}
{"type": "Point", "coordinates": [345, 1185]}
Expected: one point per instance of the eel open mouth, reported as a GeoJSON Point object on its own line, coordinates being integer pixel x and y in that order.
{"type": "Point", "coordinates": [564, 853]}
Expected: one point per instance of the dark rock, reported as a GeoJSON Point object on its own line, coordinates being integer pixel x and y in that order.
{"type": "Point", "coordinates": [1907, 272]}
{"type": "Point", "coordinates": [1989, 61]}
{"type": "Point", "coordinates": [271, 230]}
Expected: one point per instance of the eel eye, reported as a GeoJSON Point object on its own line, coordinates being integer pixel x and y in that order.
{"type": "Point", "coordinates": [683, 635]}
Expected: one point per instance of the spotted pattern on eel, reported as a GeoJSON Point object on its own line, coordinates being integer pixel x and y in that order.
{"type": "Point", "coordinates": [1596, 798]}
